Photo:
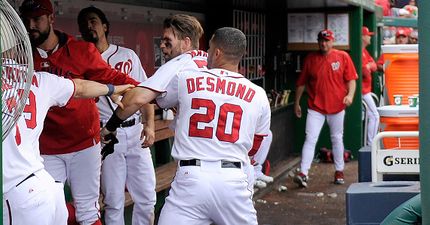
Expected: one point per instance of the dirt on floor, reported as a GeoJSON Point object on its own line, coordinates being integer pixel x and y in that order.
{"type": "Point", "coordinates": [322, 203]}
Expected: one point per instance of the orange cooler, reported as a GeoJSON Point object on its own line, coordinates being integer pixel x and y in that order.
{"type": "Point", "coordinates": [399, 118]}
{"type": "Point", "coordinates": [401, 71]}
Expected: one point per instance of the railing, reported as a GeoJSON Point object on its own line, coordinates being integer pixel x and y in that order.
{"type": "Point", "coordinates": [393, 161]}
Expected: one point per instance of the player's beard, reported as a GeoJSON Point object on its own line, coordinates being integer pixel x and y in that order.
{"type": "Point", "coordinates": [43, 35]}
{"type": "Point", "coordinates": [90, 36]}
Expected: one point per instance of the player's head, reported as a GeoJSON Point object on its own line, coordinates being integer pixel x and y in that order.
{"type": "Point", "coordinates": [402, 35]}
{"type": "Point", "coordinates": [325, 40]}
{"type": "Point", "coordinates": [38, 18]}
{"type": "Point", "coordinates": [93, 24]}
{"type": "Point", "coordinates": [413, 37]}
{"type": "Point", "coordinates": [366, 36]}
{"type": "Point", "coordinates": [227, 46]}
{"type": "Point", "coordinates": [181, 33]}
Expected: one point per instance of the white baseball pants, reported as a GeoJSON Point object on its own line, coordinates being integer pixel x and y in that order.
{"type": "Point", "coordinates": [314, 124]}
{"type": "Point", "coordinates": [129, 166]}
{"type": "Point", "coordinates": [201, 195]}
{"type": "Point", "coordinates": [38, 200]}
{"type": "Point", "coordinates": [373, 118]}
{"type": "Point", "coordinates": [82, 171]}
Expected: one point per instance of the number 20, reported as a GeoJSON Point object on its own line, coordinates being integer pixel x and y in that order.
{"type": "Point", "coordinates": [207, 132]}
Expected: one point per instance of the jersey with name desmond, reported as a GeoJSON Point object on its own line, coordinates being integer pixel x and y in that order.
{"type": "Point", "coordinates": [220, 112]}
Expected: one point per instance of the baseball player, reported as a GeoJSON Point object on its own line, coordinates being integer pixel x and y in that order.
{"type": "Point", "coordinates": [70, 148]}
{"type": "Point", "coordinates": [28, 190]}
{"type": "Point", "coordinates": [221, 114]}
{"type": "Point", "coordinates": [409, 212]}
{"type": "Point", "coordinates": [369, 66]}
{"type": "Point", "coordinates": [130, 165]}
{"type": "Point", "coordinates": [329, 77]}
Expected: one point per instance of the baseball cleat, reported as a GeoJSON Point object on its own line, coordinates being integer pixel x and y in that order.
{"type": "Point", "coordinates": [260, 184]}
{"type": "Point", "coordinates": [265, 178]}
{"type": "Point", "coordinates": [339, 177]}
{"type": "Point", "coordinates": [301, 179]}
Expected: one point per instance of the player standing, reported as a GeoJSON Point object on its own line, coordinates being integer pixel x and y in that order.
{"type": "Point", "coordinates": [369, 66]}
{"type": "Point", "coordinates": [221, 112]}
{"type": "Point", "coordinates": [28, 190]}
{"type": "Point", "coordinates": [329, 76]}
{"type": "Point", "coordinates": [70, 148]}
{"type": "Point", "coordinates": [130, 165]}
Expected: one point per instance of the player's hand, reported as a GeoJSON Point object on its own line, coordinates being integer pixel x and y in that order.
{"type": "Point", "coordinates": [347, 100]}
{"type": "Point", "coordinates": [371, 66]}
{"type": "Point", "coordinates": [119, 91]}
{"type": "Point", "coordinates": [148, 137]}
{"type": "Point", "coordinates": [105, 135]}
{"type": "Point", "coordinates": [298, 110]}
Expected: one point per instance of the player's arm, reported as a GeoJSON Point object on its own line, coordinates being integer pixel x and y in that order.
{"type": "Point", "coordinates": [133, 100]}
{"type": "Point", "coordinates": [407, 213]}
{"type": "Point", "coordinates": [98, 70]}
{"type": "Point", "coordinates": [299, 92]}
{"type": "Point", "coordinates": [351, 90]}
{"type": "Point", "coordinates": [92, 89]}
{"type": "Point", "coordinates": [148, 133]}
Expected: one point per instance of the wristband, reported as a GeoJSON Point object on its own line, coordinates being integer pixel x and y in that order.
{"type": "Point", "coordinates": [111, 89]}
{"type": "Point", "coordinates": [113, 123]}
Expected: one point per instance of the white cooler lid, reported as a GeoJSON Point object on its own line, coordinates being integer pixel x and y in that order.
{"type": "Point", "coordinates": [398, 111]}
{"type": "Point", "coordinates": [410, 48]}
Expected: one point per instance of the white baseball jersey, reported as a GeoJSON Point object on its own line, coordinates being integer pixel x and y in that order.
{"type": "Point", "coordinates": [220, 112]}
{"type": "Point", "coordinates": [21, 156]}
{"type": "Point", "coordinates": [194, 59]}
{"type": "Point", "coordinates": [126, 61]}
{"type": "Point", "coordinates": [130, 165]}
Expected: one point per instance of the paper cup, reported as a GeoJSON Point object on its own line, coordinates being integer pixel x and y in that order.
{"type": "Point", "coordinates": [398, 99]}
{"type": "Point", "coordinates": [412, 100]}
{"type": "Point", "coordinates": [418, 99]}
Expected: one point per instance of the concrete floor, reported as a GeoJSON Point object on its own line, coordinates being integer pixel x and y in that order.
{"type": "Point", "coordinates": [322, 203]}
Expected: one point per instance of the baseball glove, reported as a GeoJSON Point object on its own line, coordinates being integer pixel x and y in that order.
{"type": "Point", "coordinates": [109, 147]}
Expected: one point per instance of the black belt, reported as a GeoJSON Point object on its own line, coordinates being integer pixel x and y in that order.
{"type": "Point", "coordinates": [29, 176]}
{"type": "Point", "coordinates": [224, 164]}
{"type": "Point", "coordinates": [127, 123]}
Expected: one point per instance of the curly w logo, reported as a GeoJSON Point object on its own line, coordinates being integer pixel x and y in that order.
{"type": "Point", "coordinates": [335, 65]}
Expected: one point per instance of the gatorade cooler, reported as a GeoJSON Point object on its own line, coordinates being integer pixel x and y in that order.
{"type": "Point", "coordinates": [400, 71]}
{"type": "Point", "coordinates": [399, 118]}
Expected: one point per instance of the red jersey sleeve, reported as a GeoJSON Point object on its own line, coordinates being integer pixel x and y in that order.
{"type": "Point", "coordinates": [349, 73]}
{"type": "Point", "coordinates": [98, 70]}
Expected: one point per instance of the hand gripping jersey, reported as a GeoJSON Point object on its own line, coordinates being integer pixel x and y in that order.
{"type": "Point", "coordinates": [127, 62]}
{"type": "Point", "coordinates": [220, 112]}
{"type": "Point", "coordinates": [21, 155]}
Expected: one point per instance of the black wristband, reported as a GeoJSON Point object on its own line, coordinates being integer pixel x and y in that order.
{"type": "Point", "coordinates": [113, 123]}
{"type": "Point", "coordinates": [111, 89]}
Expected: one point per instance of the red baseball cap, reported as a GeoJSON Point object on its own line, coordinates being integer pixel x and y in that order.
{"type": "Point", "coordinates": [402, 31]}
{"type": "Point", "coordinates": [326, 35]}
{"type": "Point", "coordinates": [365, 31]}
{"type": "Point", "coordinates": [36, 8]}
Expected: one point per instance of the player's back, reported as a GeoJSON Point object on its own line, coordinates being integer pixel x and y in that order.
{"type": "Point", "coordinates": [21, 147]}
{"type": "Point", "coordinates": [220, 112]}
